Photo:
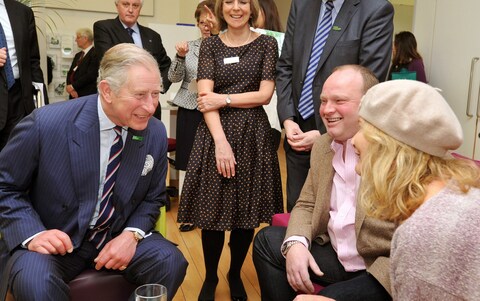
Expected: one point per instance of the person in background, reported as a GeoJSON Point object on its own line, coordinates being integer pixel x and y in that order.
{"type": "Point", "coordinates": [357, 32]}
{"type": "Point", "coordinates": [233, 177]}
{"type": "Point", "coordinates": [329, 240]}
{"type": "Point", "coordinates": [82, 186]}
{"type": "Point", "coordinates": [83, 73]}
{"type": "Point", "coordinates": [126, 29]}
{"type": "Point", "coordinates": [269, 19]}
{"type": "Point", "coordinates": [19, 65]}
{"type": "Point", "coordinates": [405, 56]}
{"type": "Point", "coordinates": [184, 69]}
{"type": "Point", "coordinates": [408, 177]}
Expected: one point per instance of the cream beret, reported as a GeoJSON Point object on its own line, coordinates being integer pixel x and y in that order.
{"type": "Point", "coordinates": [413, 113]}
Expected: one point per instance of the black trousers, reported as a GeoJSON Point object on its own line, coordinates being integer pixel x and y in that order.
{"type": "Point", "coordinates": [340, 285]}
{"type": "Point", "coordinates": [16, 111]}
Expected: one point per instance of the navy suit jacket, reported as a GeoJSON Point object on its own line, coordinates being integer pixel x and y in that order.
{"type": "Point", "coordinates": [28, 56]}
{"type": "Point", "coordinates": [49, 175]}
{"type": "Point", "coordinates": [108, 33]}
{"type": "Point", "coordinates": [361, 34]}
{"type": "Point", "coordinates": [85, 77]}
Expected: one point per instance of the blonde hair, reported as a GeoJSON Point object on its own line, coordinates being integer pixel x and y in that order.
{"type": "Point", "coordinates": [395, 175]}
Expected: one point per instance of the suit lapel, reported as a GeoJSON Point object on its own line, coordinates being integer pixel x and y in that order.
{"type": "Point", "coordinates": [84, 145]}
{"type": "Point", "coordinates": [146, 40]}
{"type": "Point", "coordinates": [308, 29]}
{"type": "Point", "coordinates": [342, 20]}
{"type": "Point", "coordinates": [133, 159]}
{"type": "Point", "coordinates": [123, 33]}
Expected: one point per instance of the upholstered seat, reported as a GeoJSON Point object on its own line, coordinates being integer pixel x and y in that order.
{"type": "Point", "coordinates": [281, 220]}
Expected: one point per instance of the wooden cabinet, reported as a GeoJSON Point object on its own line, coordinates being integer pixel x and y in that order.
{"type": "Point", "coordinates": [448, 35]}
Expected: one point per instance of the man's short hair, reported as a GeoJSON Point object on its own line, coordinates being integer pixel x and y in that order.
{"type": "Point", "coordinates": [85, 32]}
{"type": "Point", "coordinates": [119, 59]}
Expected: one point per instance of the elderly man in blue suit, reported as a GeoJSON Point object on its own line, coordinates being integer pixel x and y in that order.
{"type": "Point", "coordinates": [60, 210]}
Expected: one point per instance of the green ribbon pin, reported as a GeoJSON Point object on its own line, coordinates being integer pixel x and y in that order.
{"type": "Point", "coordinates": [336, 28]}
{"type": "Point", "coordinates": [137, 138]}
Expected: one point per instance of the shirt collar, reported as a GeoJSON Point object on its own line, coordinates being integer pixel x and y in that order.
{"type": "Point", "coordinates": [337, 5]}
{"type": "Point", "coordinates": [134, 27]}
{"type": "Point", "coordinates": [105, 122]}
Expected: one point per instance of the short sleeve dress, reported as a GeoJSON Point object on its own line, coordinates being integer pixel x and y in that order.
{"type": "Point", "coordinates": [209, 200]}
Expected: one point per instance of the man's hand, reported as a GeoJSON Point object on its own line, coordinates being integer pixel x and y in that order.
{"type": "Point", "coordinates": [299, 259]}
{"type": "Point", "coordinates": [298, 140]}
{"type": "Point", "coordinates": [117, 253]}
{"type": "Point", "coordinates": [51, 242]}
{"type": "Point", "coordinates": [3, 56]}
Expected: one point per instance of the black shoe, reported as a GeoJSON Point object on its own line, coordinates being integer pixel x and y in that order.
{"type": "Point", "coordinates": [186, 227]}
{"type": "Point", "coordinates": [237, 290]}
{"type": "Point", "coordinates": [208, 291]}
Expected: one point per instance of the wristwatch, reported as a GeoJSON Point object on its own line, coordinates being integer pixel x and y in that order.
{"type": "Point", "coordinates": [228, 101]}
{"type": "Point", "coordinates": [138, 237]}
{"type": "Point", "coordinates": [286, 246]}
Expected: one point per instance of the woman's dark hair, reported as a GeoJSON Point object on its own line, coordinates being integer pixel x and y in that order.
{"type": "Point", "coordinates": [272, 18]}
{"type": "Point", "coordinates": [405, 48]}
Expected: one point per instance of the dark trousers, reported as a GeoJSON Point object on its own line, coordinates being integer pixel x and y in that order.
{"type": "Point", "coordinates": [340, 285]}
{"type": "Point", "coordinates": [298, 164]}
{"type": "Point", "coordinates": [16, 111]}
{"type": "Point", "coordinates": [34, 276]}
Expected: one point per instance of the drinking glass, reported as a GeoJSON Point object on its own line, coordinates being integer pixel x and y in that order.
{"type": "Point", "coordinates": [151, 292]}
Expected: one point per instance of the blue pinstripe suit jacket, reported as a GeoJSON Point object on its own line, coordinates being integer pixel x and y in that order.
{"type": "Point", "coordinates": [49, 174]}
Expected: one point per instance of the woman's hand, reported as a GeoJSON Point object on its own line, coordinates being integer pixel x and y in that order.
{"type": "Point", "coordinates": [210, 101]}
{"type": "Point", "coordinates": [181, 48]}
{"type": "Point", "coordinates": [225, 159]}
{"type": "Point", "coordinates": [212, 22]}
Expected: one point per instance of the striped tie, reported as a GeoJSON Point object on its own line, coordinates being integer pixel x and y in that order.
{"type": "Point", "coordinates": [305, 104]}
{"type": "Point", "coordinates": [8, 66]}
{"type": "Point", "coordinates": [106, 211]}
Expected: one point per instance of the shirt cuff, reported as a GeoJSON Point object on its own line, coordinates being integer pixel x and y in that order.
{"type": "Point", "coordinates": [132, 229]}
{"type": "Point", "coordinates": [26, 241]}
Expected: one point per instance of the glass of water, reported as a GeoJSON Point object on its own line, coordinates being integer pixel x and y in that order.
{"type": "Point", "coordinates": [151, 292]}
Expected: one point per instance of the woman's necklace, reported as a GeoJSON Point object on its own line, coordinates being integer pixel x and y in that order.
{"type": "Point", "coordinates": [232, 45]}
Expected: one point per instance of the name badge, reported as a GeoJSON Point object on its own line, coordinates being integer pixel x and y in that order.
{"type": "Point", "coordinates": [231, 60]}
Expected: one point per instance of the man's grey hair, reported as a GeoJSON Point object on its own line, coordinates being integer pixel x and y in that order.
{"type": "Point", "coordinates": [119, 59]}
{"type": "Point", "coordinates": [141, 2]}
{"type": "Point", "coordinates": [85, 32]}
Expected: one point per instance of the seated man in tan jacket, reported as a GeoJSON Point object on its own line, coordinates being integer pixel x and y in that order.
{"type": "Point", "coordinates": [329, 239]}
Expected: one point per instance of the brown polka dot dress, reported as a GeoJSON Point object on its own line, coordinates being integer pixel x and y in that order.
{"type": "Point", "coordinates": [209, 200]}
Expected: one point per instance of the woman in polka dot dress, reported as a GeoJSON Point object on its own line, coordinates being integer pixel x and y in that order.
{"type": "Point", "coordinates": [233, 177]}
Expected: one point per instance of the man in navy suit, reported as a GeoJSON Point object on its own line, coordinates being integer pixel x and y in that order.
{"type": "Point", "coordinates": [16, 101]}
{"type": "Point", "coordinates": [108, 33]}
{"type": "Point", "coordinates": [83, 73]}
{"type": "Point", "coordinates": [52, 174]}
{"type": "Point", "coordinates": [361, 33]}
